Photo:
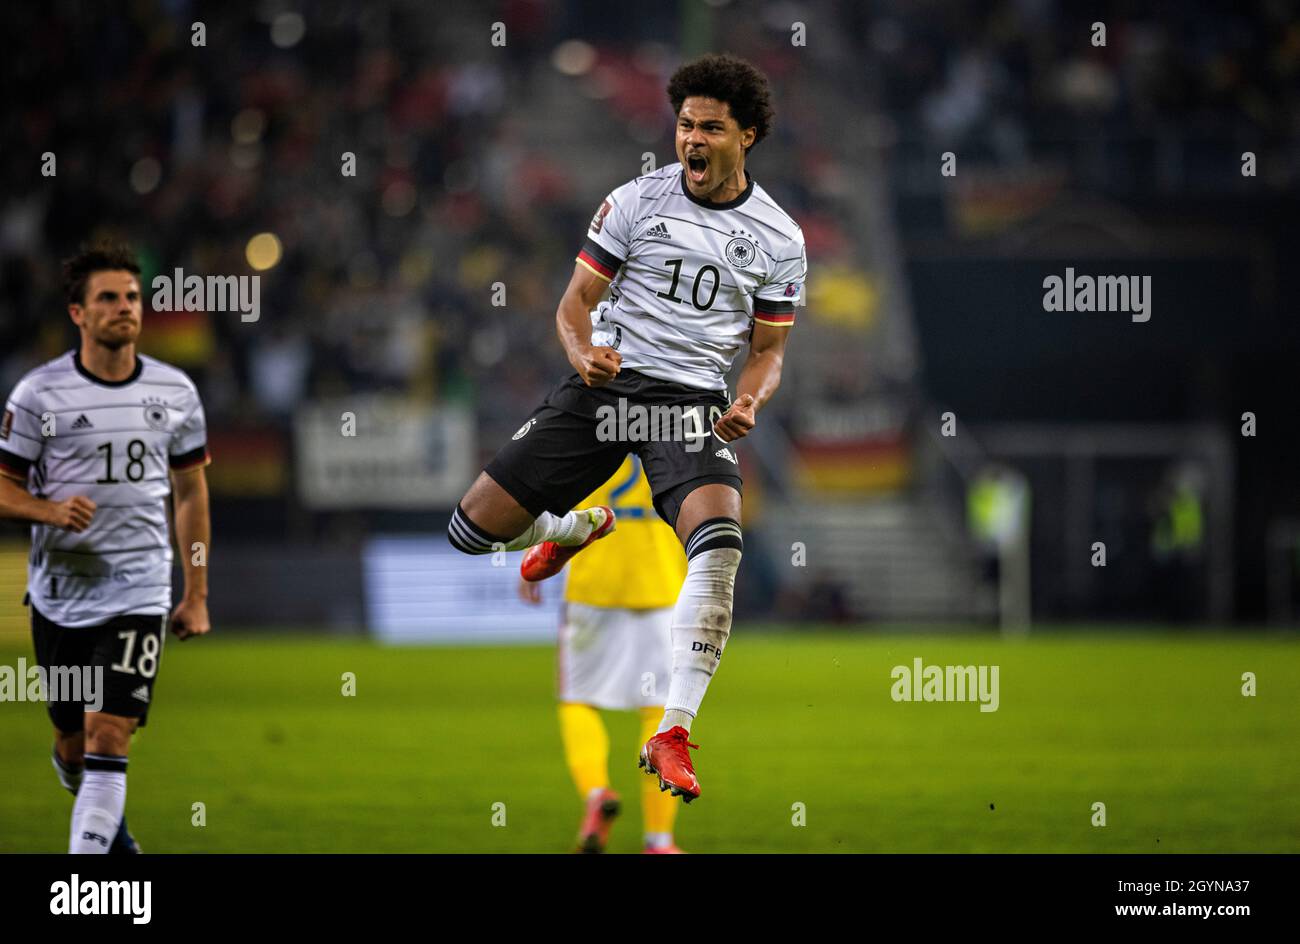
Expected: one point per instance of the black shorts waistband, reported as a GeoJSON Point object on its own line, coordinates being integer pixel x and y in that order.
{"type": "Point", "coordinates": [634, 385]}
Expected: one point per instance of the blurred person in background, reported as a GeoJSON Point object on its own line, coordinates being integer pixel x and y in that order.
{"type": "Point", "coordinates": [615, 651]}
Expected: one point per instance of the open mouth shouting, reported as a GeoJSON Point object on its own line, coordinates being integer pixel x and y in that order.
{"type": "Point", "coordinates": [697, 168]}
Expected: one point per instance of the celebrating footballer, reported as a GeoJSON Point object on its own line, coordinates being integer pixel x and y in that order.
{"type": "Point", "coordinates": [698, 261]}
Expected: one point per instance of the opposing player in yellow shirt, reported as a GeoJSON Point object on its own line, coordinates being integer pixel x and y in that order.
{"type": "Point", "coordinates": [615, 650]}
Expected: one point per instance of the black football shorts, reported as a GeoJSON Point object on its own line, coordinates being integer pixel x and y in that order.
{"type": "Point", "coordinates": [123, 656]}
{"type": "Point", "coordinates": [579, 436]}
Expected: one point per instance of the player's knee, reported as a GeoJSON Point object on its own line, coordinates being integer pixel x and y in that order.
{"type": "Point", "coordinates": [467, 537]}
{"type": "Point", "coordinates": [716, 534]}
{"type": "Point", "coordinates": [108, 736]}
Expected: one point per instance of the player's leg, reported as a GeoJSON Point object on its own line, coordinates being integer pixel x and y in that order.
{"type": "Point", "coordinates": [59, 649]}
{"type": "Point", "coordinates": [586, 747]}
{"type": "Point", "coordinates": [582, 653]}
{"type": "Point", "coordinates": [708, 526]}
{"type": "Point", "coordinates": [651, 640]}
{"type": "Point", "coordinates": [586, 752]}
{"type": "Point", "coordinates": [490, 510]}
{"type": "Point", "coordinates": [62, 650]}
{"type": "Point", "coordinates": [488, 519]}
{"type": "Point", "coordinates": [125, 656]}
{"type": "Point", "coordinates": [525, 496]}
{"type": "Point", "coordinates": [705, 513]}
{"type": "Point", "coordinates": [696, 488]}
{"type": "Point", "coordinates": [101, 800]}
{"type": "Point", "coordinates": [658, 809]}
{"type": "Point", "coordinates": [696, 483]}
{"type": "Point", "coordinates": [68, 758]}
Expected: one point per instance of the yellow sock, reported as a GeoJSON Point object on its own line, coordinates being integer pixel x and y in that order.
{"type": "Point", "coordinates": [586, 746]}
{"type": "Point", "coordinates": [659, 810]}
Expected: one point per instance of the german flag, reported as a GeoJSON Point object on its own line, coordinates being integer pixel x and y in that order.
{"type": "Point", "coordinates": [777, 314]}
{"type": "Point", "coordinates": [194, 459]}
{"type": "Point", "coordinates": [599, 260]}
{"type": "Point", "coordinates": [14, 467]}
{"type": "Point", "coordinates": [878, 465]}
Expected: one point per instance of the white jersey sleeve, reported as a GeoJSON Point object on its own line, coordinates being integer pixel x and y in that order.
{"type": "Point", "coordinates": [609, 237]}
{"type": "Point", "coordinates": [188, 448]}
{"type": "Point", "coordinates": [775, 300]}
{"type": "Point", "coordinates": [21, 442]}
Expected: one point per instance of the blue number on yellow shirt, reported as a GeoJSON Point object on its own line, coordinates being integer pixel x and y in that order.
{"type": "Point", "coordinates": [629, 511]}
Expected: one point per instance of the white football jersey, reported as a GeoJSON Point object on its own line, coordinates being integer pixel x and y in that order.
{"type": "Point", "coordinates": [65, 432]}
{"type": "Point", "coordinates": [688, 278]}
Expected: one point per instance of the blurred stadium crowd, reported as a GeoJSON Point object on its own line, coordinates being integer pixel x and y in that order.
{"type": "Point", "coordinates": [1011, 82]}
{"type": "Point", "coordinates": [383, 281]}
{"type": "Point", "coordinates": [478, 164]}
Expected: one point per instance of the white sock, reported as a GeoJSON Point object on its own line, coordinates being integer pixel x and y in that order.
{"type": "Point", "coordinates": [658, 840]}
{"type": "Point", "coordinates": [98, 810]}
{"type": "Point", "coordinates": [701, 624]}
{"type": "Point", "coordinates": [677, 718]}
{"type": "Point", "coordinates": [566, 531]}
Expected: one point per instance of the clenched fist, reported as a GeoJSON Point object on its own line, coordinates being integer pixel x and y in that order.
{"type": "Point", "coordinates": [73, 514]}
{"type": "Point", "coordinates": [596, 365]}
{"type": "Point", "coordinates": [737, 421]}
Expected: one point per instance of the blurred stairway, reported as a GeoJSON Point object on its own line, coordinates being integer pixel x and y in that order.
{"type": "Point", "coordinates": [893, 558]}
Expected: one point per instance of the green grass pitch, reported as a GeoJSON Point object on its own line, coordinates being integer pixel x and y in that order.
{"type": "Point", "coordinates": [256, 728]}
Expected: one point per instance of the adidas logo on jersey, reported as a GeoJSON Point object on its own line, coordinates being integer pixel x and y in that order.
{"type": "Point", "coordinates": [82, 423]}
{"type": "Point", "coordinates": [726, 454]}
{"type": "Point", "coordinates": [658, 231]}
{"type": "Point", "coordinates": [141, 693]}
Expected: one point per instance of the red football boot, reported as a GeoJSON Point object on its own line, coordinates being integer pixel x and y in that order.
{"type": "Point", "coordinates": [670, 849]}
{"type": "Point", "coordinates": [667, 755]}
{"type": "Point", "coordinates": [548, 558]}
{"type": "Point", "coordinates": [602, 807]}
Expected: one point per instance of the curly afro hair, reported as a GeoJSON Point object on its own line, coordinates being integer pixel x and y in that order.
{"type": "Point", "coordinates": [103, 256]}
{"type": "Point", "coordinates": [728, 79]}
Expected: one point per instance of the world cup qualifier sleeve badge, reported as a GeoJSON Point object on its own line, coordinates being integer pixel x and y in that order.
{"type": "Point", "coordinates": [598, 221]}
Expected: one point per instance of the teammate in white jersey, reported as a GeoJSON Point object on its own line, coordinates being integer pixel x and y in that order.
{"type": "Point", "coordinates": [699, 261]}
{"type": "Point", "coordinates": [92, 444]}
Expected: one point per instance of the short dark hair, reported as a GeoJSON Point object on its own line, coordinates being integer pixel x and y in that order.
{"type": "Point", "coordinates": [728, 79]}
{"type": "Point", "coordinates": [92, 258]}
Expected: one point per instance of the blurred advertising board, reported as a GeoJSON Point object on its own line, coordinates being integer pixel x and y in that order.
{"type": "Point", "coordinates": [419, 589]}
{"type": "Point", "coordinates": [374, 451]}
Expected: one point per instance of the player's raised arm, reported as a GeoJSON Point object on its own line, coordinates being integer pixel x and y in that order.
{"type": "Point", "coordinates": [595, 365]}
